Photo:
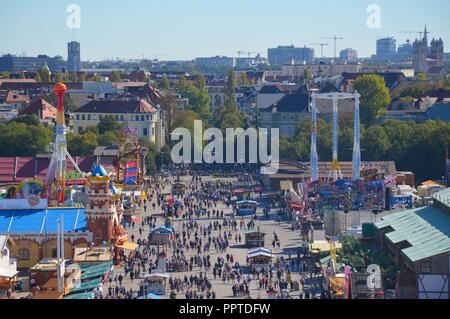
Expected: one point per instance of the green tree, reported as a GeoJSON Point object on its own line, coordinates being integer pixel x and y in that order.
{"type": "Point", "coordinates": [376, 144]}
{"type": "Point", "coordinates": [165, 84]}
{"type": "Point", "coordinates": [30, 120]}
{"type": "Point", "coordinates": [44, 75]}
{"type": "Point", "coordinates": [116, 76]}
{"type": "Point", "coordinates": [108, 124]}
{"type": "Point", "coordinates": [22, 75]}
{"type": "Point", "coordinates": [374, 97]}
{"type": "Point", "coordinates": [20, 139]}
{"type": "Point", "coordinates": [82, 77]}
{"type": "Point", "coordinates": [422, 76]}
{"type": "Point", "coordinates": [73, 78]}
{"type": "Point", "coordinates": [58, 77]}
{"type": "Point", "coordinates": [5, 75]}
{"type": "Point", "coordinates": [82, 145]}
{"type": "Point", "coordinates": [230, 91]}
{"type": "Point", "coordinates": [108, 139]}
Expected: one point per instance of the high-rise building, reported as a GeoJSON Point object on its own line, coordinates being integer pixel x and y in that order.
{"type": "Point", "coordinates": [386, 48]}
{"type": "Point", "coordinates": [283, 55]}
{"type": "Point", "coordinates": [17, 64]}
{"type": "Point", "coordinates": [405, 51]}
{"type": "Point", "coordinates": [349, 54]}
{"type": "Point", "coordinates": [73, 57]}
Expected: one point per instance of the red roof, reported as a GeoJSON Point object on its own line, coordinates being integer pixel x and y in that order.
{"type": "Point", "coordinates": [19, 169]}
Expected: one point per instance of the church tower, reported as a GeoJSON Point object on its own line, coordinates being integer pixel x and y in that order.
{"type": "Point", "coordinates": [420, 53]}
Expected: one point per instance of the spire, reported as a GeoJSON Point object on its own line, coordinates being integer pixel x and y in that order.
{"type": "Point", "coordinates": [425, 37]}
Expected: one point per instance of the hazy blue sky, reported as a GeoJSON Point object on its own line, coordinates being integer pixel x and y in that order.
{"type": "Point", "coordinates": [184, 29]}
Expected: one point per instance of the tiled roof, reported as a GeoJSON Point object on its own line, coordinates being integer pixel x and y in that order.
{"type": "Point", "coordinates": [125, 107]}
{"type": "Point", "coordinates": [439, 111]}
{"type": "Point", "coordinates": [39, 105]}
{"type": "Point", "coordinates": [291, 103]}
{"type": "Point", "coordinates": [19, 169]}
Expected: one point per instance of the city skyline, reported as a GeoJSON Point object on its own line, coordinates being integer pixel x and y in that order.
{"type": "Point", "coordinates": [211, 28]}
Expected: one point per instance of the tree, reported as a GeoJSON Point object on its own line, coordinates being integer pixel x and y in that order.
{"type": "Point", "coordinates": [108, 139]}
{"type": "Point", "coordinates": [168, 108]}
{"type": "Point", "coordinates": [422, 76]}
{"type": "Point", "coordinates": [243, 80]}
{"type": "Point", "coordinates": [230, 91]}
{"type": "Point", "coordinates": [22, 75]}
{"type": "Point", "coordinates": [58, 77]}
{"type": "Point", "coordinates": [5, 75]}
{"type": "Point", "coordinates": [376, 144]}
{"type": "Point", "coordinates": [82, 77]}
{"type": "Point", "coordinates": [74, 78]}
{"type": "Point", "coordinates": [116, 76]}
{"type": "Point", "coordinates": [108, 124]}
{"type": "Point", "coordinates": [165, 84]}
{"type": "Point", "coordinates": [30, 120]}
{"type": "Point", "coordinates": [81, 145]}
{"type": "Point", "coordinates": [374, 97]}
{"type": "Point", "coordinates": [43, 74]}
{"type": "Point", "coordinates": [20, 139]}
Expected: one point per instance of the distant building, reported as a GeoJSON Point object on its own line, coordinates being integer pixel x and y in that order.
{"type": "Point", "coordinates": [349, 54]}
{"type": "Point", "coordinates": [287, 54]}
{"type": "Point", "coordinates": [73, 57]}
{"type": "Point", "coordinates": [217, 61]}
{"type": "Point", "coordinates": [405, 51]}
{"type": "Point", "coordinates": [286, 113]}
{"type": "Point", "coordinates": [425, 56]}
{"type": "Point", "coordinates": [45, 112]}
{"type": "Point", "coordinates": [17, 64]}
{"type": "Point", "coordinates": [386, 48]}
{"type": "Point", "coordinates": [140, 115]}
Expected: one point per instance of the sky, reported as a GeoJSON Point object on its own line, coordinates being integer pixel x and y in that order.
{"type": "Point", "coordinates": [185, 29]}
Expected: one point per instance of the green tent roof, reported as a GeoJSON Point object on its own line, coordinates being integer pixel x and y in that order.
{"type": "Point", "coordinates": [84, 296]}
{"type": "Point", "coordinates": [426, 229]}
{"type": "Point", "coordinates": [86, 286]}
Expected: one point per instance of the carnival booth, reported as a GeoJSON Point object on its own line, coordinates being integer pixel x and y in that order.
{"type": "Point", "coordinates": [160, 235]}
{"type": "Point", "coordinates": [254, 238]}
{"type": "Point", "coordinates": [246, 208]}
{"type": "Point", "coordinates": [179, 188]}
{"type": "Point", "coordinates": [154, 283]}
{"type": "Point", "coordinates": [260, 258]}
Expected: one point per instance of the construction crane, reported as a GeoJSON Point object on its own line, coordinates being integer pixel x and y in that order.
{"type": "Point", "coordinates": [321, 47]}
{"type": "Point", "coordinates": [240, 53]}
{"type": "Point", "coordinates": [335, 38]}
{"type": "Point", "coordinates": [416, 32]}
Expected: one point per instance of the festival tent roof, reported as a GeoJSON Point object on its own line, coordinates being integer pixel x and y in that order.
{"type": "Point", "coordinates": [128, 246]}
{"type": "Point", "coordinates": [426, 229]}
{"type": "Point", "coordinates": [90, 269]}
{"type": "Point", "coordinates": [83, 295]}
{"type": "Point", "coordinates": [260, 252]}
{"type": "Point", "coordinates": [431, 183]}
{"type": "Point", "coordinates": [86, 286]}
{"type": "Point", "coordinates": [162, 230]}
{"type": "Point", "coordinates": [41, 221]}
{"type": "Point", "coordinates": [151, 296]}
{"type": "Point", "coordinates": [247, 202]}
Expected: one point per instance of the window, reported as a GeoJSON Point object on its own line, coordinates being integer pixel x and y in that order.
{"type": "Point", "coordinates": [89, 117]}
{"type": "Point", "coordinates": [145, 130]}
{"type": "Point", "coordinates": [425, 266]}
{"type": "Point", "coordinates": [117, 117]}
{"type": "Point", "coordinates": [153, 131]}
{"type": "Point", "coordinates": [142, 118]}
{"type": "Point", "coordinates": [148, 117]}
{"type": "Point", "coordinates": [24, 254]}
{"type": "Point", "coordinates": [83, 117]}
{"type": "Point", "coordinates": [121, 117]}
{"type": "Point", "coordinates": [78, 116]}
{"type": "Point", "coordinates": [80, 130]}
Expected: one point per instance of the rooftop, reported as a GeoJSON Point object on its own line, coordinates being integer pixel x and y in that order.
{"type": "Point", "coordinates": [117, 106]}
{"type": "Point", "coordinates": [427, 231]}
{"type": "Point", "coordinates": [41, 221]}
